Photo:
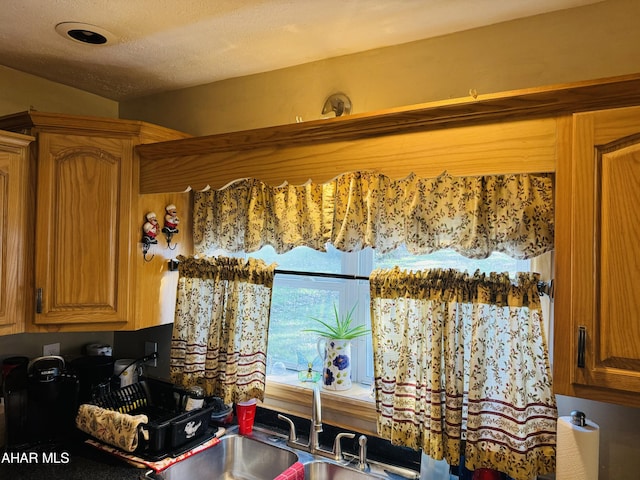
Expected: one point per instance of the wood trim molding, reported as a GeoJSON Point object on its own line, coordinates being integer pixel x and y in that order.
{"type": "Point", "coordinates": [541, 101]}
{"type": "Point", "coordinates": [29, 121]}
{"type": "Point", "coordinates": [462, 136]}
{"type": "Point", "coordinates": [14, 142]}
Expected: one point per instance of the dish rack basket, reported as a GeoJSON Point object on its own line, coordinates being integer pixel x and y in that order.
{"type": "Point", "coordinates": [171, 430]}
{"type": "Point", "coordinates": [142, 395]}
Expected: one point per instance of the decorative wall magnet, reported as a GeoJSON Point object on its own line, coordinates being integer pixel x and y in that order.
{"type": "Point", "coordinates": [149, 232]}
{"type": "Point", "coordinates": [171, 222]}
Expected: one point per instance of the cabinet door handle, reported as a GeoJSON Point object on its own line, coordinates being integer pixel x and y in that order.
{"type": "Point", "coordinates": [582, 342]}
{"type": "Point", "coordinates": [39, 300]}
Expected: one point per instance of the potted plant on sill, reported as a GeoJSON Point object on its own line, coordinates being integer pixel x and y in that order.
{"type": "Point", "coordinates": [334, 347]}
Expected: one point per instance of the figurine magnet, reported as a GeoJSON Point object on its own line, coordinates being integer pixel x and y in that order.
{"type": "Point", "coordinates": [149, 232]}
{"type": "Point", "coordinates": [171, 222]}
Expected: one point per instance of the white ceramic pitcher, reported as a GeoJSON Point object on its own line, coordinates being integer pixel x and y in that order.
{"type": "Point", "coordinates": [336, 363]}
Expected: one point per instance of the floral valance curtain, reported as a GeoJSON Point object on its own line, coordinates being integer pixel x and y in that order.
{"type": "Point", "coordinates": [219, 338]}
{"type": "Point", "coordinates": [464, 356]}
{"type": "Point", "coordinates": [475, 216]}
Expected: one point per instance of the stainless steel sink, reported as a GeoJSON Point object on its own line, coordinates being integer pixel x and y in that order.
{"type": "Point", "coordinates": [328, 470]}
{"type": "Point", "coordinates": [323, 470]}
{"type": "Point", "coordinates": [235, 457]}
{"type": "Point", "coordinates": [265, 455]}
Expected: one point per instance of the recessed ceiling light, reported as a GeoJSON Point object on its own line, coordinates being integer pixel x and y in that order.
{"type": "Point", "coordinates": [84, 33]}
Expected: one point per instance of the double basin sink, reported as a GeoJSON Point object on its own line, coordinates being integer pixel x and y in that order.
{"type": "Point", "coordinates": [263, 455]}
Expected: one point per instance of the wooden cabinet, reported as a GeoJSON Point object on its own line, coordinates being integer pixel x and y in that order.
{"type": "Point", "coordinates": [82, 229]}
{"type": "Point", "coordinates": [16, 234]}
{"type": "Point", "coordinates": [88, 223]}
{"type": "Point", "coordinates": [597, 315]}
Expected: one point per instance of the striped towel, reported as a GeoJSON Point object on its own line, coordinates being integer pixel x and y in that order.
{"type": "Point", "coordinates": [294, 472]}
{"type": "Point", "coordinates": [159, 465]}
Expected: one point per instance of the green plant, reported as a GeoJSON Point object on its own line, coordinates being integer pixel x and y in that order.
{"type": "Point", "coordinates": [342, 330]}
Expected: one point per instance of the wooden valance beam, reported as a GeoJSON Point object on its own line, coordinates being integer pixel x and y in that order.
{"type": "Point", "coordinates": [463, 134]}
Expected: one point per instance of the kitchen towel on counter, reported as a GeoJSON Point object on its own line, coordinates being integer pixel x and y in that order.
{"type": "Point", "coordinates": [294, 472]}
{"type": "Point", "coordinates": [115, 428]}
{"type": "Point", "coordinates": [577, 450]}
{"type": "Point", "coordinates": [159, 465]}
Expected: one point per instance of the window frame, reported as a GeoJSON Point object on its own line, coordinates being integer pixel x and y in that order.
{"type": "Point", "coordinates": [351, 263]}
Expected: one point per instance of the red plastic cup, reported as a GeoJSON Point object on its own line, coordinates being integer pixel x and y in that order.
{"type": "Point", "coordinates": [246, 413]}
{"type": "Point", "coordinates": [486, 474]}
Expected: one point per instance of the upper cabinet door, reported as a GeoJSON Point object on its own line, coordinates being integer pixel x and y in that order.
{"type": "Point", "coordinates": [604, 287]}
{"type": "Point", "coordinates": [82, 229]}
{"type": "Point", "coordinates": [15, 232]}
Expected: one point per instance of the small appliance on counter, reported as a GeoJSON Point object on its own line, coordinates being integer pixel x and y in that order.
{"type": "Point", "coordinates": [52, 399]}
{"type": "Point", "coordinates": [126, 372]}
{"type": "Point", "coordinates": [14, 391]}
{"type": "Point", "coordinates": [98, 349]}
{"type": "Point", "coordinates": [41, 400]}
{"type": "Point", "coordinates": [94, 374]}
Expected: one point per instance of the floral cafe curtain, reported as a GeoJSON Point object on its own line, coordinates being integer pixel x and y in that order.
{"type": "Point", "coordinates": [461, 356]}
{"type": "Point", "coordinates": [220, 330]}
{"type": "Point", "coordinates": [475, 216]}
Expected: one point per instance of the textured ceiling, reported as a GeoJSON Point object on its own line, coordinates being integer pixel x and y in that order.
{"type": "Point", "coordinates": [160, 45]}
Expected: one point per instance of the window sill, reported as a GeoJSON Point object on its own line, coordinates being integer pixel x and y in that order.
{"type": "Point", "coordinates": [352, 409]}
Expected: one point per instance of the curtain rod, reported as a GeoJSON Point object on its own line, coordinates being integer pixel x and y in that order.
{"type": "Point", "coordinates": [545, 288]}
{"type": "Point", "coordinates": [321, 274]}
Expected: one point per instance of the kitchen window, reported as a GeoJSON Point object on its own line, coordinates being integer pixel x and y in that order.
{"type": "Point", "coordinates": [298, 298]}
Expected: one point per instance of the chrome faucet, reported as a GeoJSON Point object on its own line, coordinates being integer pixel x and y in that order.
{"type": "Point", "coordinates": [316, 420]}
{"type": "Point", "coordinates": [337, 446]}
{"type": "Point", "coordinates": [362, 453]}
{"type": "Point", "coordinates": [316, 425]}
{"type": "Point", "coordinates": [313, 446]}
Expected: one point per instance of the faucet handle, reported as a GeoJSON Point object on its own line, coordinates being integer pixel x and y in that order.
{"type": "Point", "coordinates": [337, 447]}
{"type": "Point", "coordinates": [362, 454]}
{"type": "Point", "coordinates": [292, 428]}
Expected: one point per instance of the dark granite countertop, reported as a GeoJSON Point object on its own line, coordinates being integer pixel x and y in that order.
{"type": "Point", "coordinates": [77, 461]}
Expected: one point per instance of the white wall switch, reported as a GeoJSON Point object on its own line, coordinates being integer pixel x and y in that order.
{"type": "Point", "coordinates": [51, 349]}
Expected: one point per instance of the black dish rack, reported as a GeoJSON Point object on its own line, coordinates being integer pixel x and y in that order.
{"type": "Point", "coordinates": [171, 431]}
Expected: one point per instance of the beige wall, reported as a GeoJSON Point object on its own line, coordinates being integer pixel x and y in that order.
{"type": "Point", "coordinates": [21, 91]}
{"type": "Point", "coordinates": [595, 41]}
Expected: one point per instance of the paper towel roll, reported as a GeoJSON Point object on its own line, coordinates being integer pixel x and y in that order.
{"type": "Point", "coordinates": [577, 450]}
